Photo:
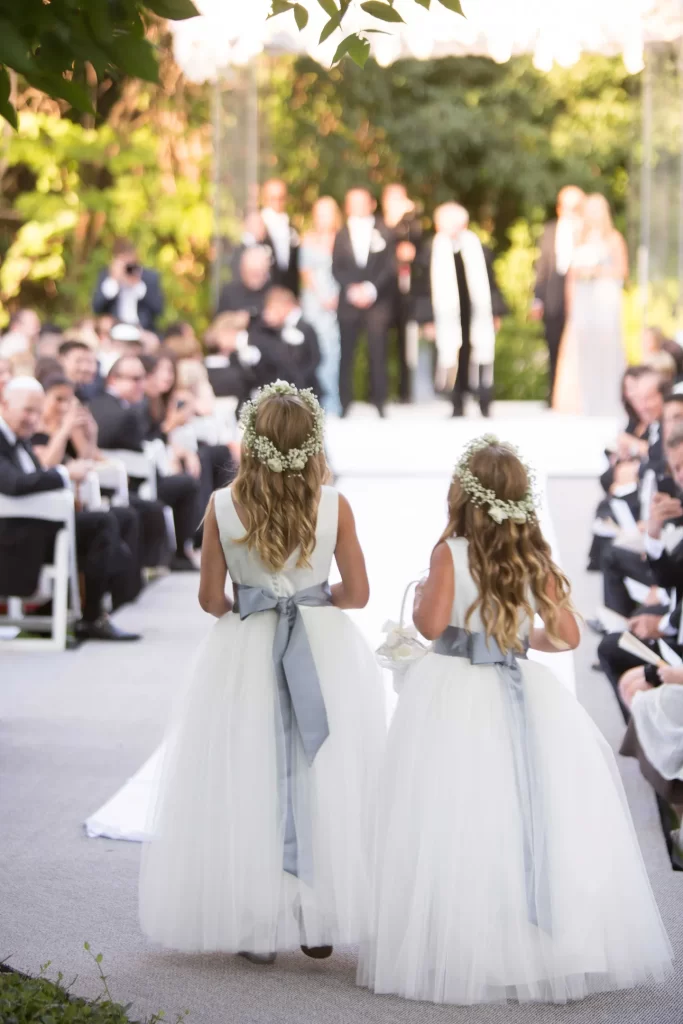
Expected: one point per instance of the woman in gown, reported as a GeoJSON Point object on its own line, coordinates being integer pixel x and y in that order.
{"type": "Point", "coordinates": [261, 832]}
{"type": "Point", "coordinates": [507, 864]}
{"type": "Point", "coordinates": [320, 295]}
{"type": "Point", "coordinates": [592, 359]}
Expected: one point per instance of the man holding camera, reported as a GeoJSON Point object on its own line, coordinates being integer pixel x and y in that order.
{"type": "Point", "coordinates": [129, 291]}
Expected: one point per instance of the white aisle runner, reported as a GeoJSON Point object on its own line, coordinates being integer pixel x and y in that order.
{"type": "Point", "coordinates": [399, 517]}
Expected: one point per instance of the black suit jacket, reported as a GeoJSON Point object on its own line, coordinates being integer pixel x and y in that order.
{"type": "Point", "coordinates": [550, 286]}
{"type": "Point", "coordinates": [422, 285]}
{"type": "Point", "coordinates": [119, 425]}
{"type": "Point", "coordinates": [286, 277]}
{"type": "Point", "coordinates": [25, 544]}
{"type": "Point", "coordinates": [150, 306]}
{"type": "Point", "coordinates": [380, 270]}
{"type": "Point", "coordinates": [235, 297]}
{"type": "Point", "coordinates": [279, 359]}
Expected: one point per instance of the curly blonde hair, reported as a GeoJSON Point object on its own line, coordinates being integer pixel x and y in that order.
{"type": "Point", "coordinates": [510, 562]}
{"type": "Point", "coordinates": [281, 508]}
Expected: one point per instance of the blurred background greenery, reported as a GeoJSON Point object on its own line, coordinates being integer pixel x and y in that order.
{"type": "Point", "coordinates": [501, 139]}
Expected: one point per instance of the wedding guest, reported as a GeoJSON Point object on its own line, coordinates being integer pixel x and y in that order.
{"type": "Point", "coordinates": [6, 374]}
{"type": "Point", "coordinates": [364, 265]}
{"type": "Point", "coordinates": [281, 238]}
{"type": "Point", "coordinates": [248, 291]}
{"type": "Point", "coordinates": [398, 213]}
{"type": "Point", "coordinates": [655, 343]}
{"type": "Point", "coordinates": [556, 254]}
{"type": "Point", "coordinates": [320, 296]}
{"type": "Point", "coordinates": [288, 344]}
{"type": "Point", "coordinates": [227, 362]}
{"type": "Point", "coordinates": [19, 340]}
{"type": "Point", "coordinates": [120, 427]}
{"type": "Point", "coordinates": [48, 342]}
{"type": "Point", "coordinates": [127, 290]}
{"type": "Point", "coordinates": [27, 544]}
{"type": "Point", "coordinates": [81, 367]}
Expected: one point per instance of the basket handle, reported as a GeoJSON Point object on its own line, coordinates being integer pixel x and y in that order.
{"type": "Point", "coordinates": [402, 618]}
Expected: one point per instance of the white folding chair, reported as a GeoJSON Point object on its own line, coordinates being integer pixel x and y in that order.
{"type": "Point", "coordinates": [58, 580]}
{"type": "Point", "coordinates": [113, 477]}
{"type": "Point", "coordinates": [139, 466]}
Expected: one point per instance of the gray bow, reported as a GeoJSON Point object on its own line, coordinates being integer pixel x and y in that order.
{"type": "Point", "coordinates": [300, 699]}
{"type": "Point", "coordinates": [482, 650]}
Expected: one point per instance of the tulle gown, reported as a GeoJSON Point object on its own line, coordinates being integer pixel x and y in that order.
{"type": "Point", "coordinates": [212, 877]}
{"type": "Point", "coordinates": [507, 864]}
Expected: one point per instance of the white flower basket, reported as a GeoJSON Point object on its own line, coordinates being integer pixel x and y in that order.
{"type": "Point", "coordinates": [403, 645]}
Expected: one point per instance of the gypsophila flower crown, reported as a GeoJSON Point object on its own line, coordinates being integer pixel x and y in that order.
{"type": "Point", "coordinates": [263, 449]}
{"type": "Point", "coordinates": [518, 511]}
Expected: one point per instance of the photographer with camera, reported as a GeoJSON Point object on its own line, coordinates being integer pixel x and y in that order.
{"type": "Point", "coordinates": [129, 291]}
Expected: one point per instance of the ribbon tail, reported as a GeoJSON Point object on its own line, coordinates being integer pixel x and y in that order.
{"type": "Point", "coordinates": [285, 739]}
{"type": "Point", "coordinates": [304, 689]}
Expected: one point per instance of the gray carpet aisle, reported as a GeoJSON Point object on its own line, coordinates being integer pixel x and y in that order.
{"type": "Point", "coordinates": [73, 727]}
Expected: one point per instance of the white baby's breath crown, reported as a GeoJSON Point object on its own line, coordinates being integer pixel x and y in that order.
{"type": "Point", "coordinates": [263, 449]}
{"type": "Point", "coordinates": [499, 510]}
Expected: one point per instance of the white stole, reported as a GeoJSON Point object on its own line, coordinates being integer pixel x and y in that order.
{"type": "Point", "coordinates": [446, 302]}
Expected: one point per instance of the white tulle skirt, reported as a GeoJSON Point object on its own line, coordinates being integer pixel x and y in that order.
{"type": "Point", "coordinates": [212, 877]}
{"type": "Point", "coordinates": [450, 915]}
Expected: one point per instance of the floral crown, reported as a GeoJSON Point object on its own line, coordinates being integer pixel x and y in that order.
{"type": "Point", "coordinates": [263, 449]}
{"type": "Point", "coordinates": [499, 509]}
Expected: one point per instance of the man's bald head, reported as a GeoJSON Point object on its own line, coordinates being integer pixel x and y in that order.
{"type": "Point", "coordinates": [22, 406]}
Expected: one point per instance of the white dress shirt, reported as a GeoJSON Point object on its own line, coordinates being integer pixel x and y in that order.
{"type": "Point", "coordinates": [280, 235]}
{"type": "Point", "coordinates": [360, 231]}
{"type": "Point", "coordinates": [129, 297]}
{"type": "Point", "coordinates": [564, 244]}
{"type": "Point", "coordinates": [25, 460]}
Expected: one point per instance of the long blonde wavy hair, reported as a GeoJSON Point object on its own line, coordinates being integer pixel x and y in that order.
{"type": "Point", "coordinates": [281, 508]}
{"type": "Point", "coordinates": [510, 562]}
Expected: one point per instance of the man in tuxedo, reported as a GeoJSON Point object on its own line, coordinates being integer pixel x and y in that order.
{"type": "Point", "coordinates": [281, 238]}
{"type": "Point", "coordinates": [120, 426]}
{"type": "Point", "coordinates": [26, 544]}
{"type": "Point", "coordinates": [556, 254]}
{"type": "Point", "coordinates": [128, 291]}
{"type": "Point", "coordinates": [247, 293]}
{"type": "Point", "coordinates": [288, 344]}
{"type": "Point", "coordinates": [229, 361]}
{"type": "Point", "coordinates": [398, 214]}
{"type": "Point", "coordinates": [81, 368]}
{"type": "Point", "coordinates": [364, 265]}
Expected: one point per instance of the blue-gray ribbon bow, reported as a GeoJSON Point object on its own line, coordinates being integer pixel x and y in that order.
{"type": "Point", "coordinates": [482, 650]}
{"type": "Point", "coordinates": [300, 700]}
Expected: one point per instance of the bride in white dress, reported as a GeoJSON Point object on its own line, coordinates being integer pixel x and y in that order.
{"type": "Point", "coordinates": [261, 832]}
{"type": "Point", "coordinates": [507, 864]}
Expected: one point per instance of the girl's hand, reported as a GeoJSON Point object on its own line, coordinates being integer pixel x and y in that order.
{"type": "Point", "coordinates": [669, 674]}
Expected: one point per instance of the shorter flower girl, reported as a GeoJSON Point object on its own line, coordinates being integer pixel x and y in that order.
{"type": "Point", "coordinates": [507, 864]}
{"type": "Point", "coordinates": [261, 832]}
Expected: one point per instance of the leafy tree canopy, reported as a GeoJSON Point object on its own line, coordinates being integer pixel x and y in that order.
{"type": "Point", "coordinates": [63, 47]}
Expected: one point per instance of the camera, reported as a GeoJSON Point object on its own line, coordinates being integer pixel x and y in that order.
{"type": "Point", "coordinates": [133, 269]}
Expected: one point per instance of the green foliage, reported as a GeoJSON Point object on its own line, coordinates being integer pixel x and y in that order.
{"type": "Point", "coordinates": [52, 45]}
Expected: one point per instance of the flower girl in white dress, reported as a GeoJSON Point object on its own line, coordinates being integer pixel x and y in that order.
{"type": "Point", "coordinates": [262, 829]}
{"type": "Point", "coordinates": [507, 863]}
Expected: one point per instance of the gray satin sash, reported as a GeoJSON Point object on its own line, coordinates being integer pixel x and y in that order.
{"type": "Point", "coordinates": [300, 700]}
{"type": "Point", "coordinates": [479, 649]}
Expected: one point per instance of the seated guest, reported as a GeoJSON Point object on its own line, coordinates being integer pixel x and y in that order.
{"type": "Point", "coordinates": [627, 673]}
{"type": "Point", "coordinates": [68, 431]}
{"type": "Point", "coordinates": [6, 374]}
{"type": "Point", "coordinates": [655, 734]}
{"type": "Point", "coordinates": [123, 340]}
{"type": "Point", "coordinates": [80, 366]}
{"type": "Point", "coordinates": [18, 341]}
{"type": "Point", "coordinates": [48, 342]}
{"type": "Point", "coordinates": [26, 544]}
{"type": "Point", "coordinates": [655, 342]}
{"type": "Point", "coordinates": [121, 427]}
{"type": "Point", "coordinates": [247, 292]}
{"type": "Point", "coordinates": [229, 360]}
{"type": "Point", "coordinates": [288, 344]}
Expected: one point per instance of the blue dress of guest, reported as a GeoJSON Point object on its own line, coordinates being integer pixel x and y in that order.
{"type": "Point", "coordinates": [319, 296]}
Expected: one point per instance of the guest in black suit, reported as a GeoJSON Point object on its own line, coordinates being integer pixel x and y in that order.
{"type": "Point", "coordinates": [247, 293]}
{"type": "Point", "coordinates": [227, 362]}
{"type": "Point", "coordinates": [402, 222]}
{"type": "Point", "coordinates": [128, 291]}
{"type": "Point", "coordinates": [557, 250]}
{"type": "Point", "coordinates": [289, 346]}
{"type": "Point", "coordinates": [118, 416]}
{"type": "Point", "coordinates": [280, 237]}
{"type": "Point", "coordinates": [80, 366]}
{"type": "Point", "coordinates": [26, 544]}
{"type": "Point", "coordinates": [364, 264]}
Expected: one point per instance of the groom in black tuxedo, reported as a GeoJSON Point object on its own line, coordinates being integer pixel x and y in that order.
{"type": "Point", "coordinates": [364, 264]}
{"type": "Point", "coordinates": [557, 251]}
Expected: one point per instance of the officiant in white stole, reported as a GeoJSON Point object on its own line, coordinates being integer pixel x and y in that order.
{"type": "Point", "coordinates": [465, 308]}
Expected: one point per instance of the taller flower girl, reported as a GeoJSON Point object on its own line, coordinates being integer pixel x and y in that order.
{"type": "Point", "coordinates": [263, 822]}
{"type": "Point", "coordinates": [507, 864]}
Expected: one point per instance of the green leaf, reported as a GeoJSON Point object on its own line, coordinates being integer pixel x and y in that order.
{"type": "Point", "coordinates": [359, 50]}
{"type": "Point", "coordinates": [174, 10]}
{"type": "Point", "coordinates": [300, 16]}
{"type": "Point", "coordinates": [6, 109]}
{"type": "Point", "coordinates": [135, 57]}
{"type": "Point", "coordinates": [381, 11]}
{"type": "Point", "coordinates": [14, 50]}
{"type": "Point", "coordinates": [329, 6]}
{"type": "Point", "coordinates": [343, 48]}
{"type": "Point", "coordinates": [279, 7]}
{"type": "Point", "coordinates": [452, 5]}
{"type": "Point", "coordinates": [424, 3]}
{"type": "Point", "coordinates": [64, 89]}
{"type": "Point", "coordinates": [331, 26]}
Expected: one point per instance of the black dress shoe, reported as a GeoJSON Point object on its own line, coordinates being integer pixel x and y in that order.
{"type": "Point", "coordinates": [103, 629]}
{"type": "Point", "coordinates": [318, 952]}
{"type": "Point", "coordinates": [181, 563]}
